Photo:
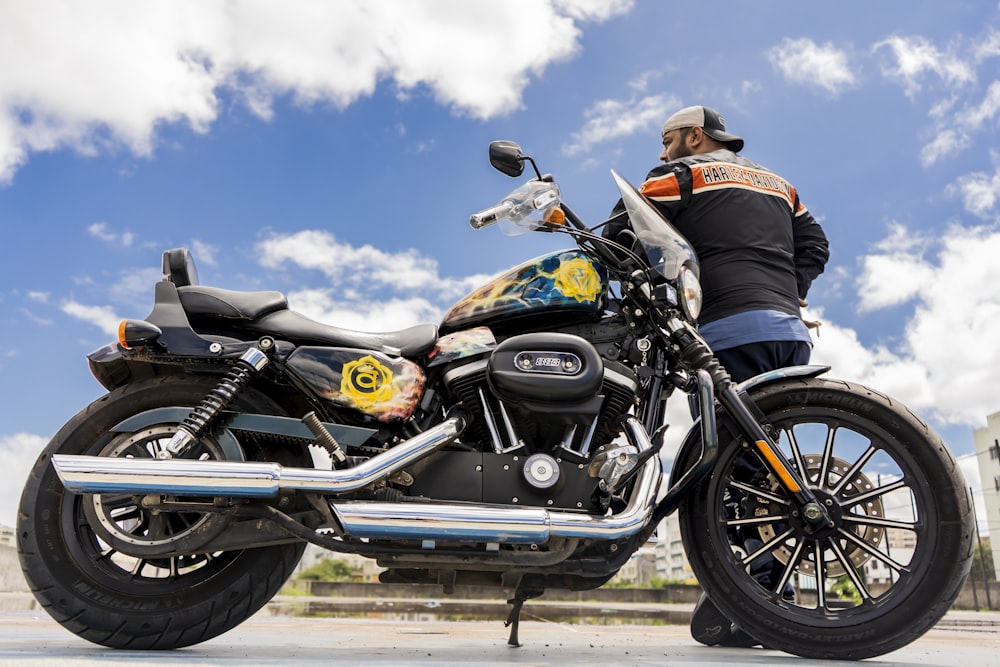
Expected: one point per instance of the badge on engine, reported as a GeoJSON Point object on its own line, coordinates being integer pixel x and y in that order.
{"type": "Point", "coordinates": [557, 363]}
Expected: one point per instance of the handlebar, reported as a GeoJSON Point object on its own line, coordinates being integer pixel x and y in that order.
{"type": "Point", "coordinates": [491, 215]}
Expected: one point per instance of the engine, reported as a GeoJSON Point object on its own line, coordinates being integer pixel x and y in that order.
{"type": "Point", "coordinates": [544, 392]}
{"type": "Point", "coordinates": [541, 405]}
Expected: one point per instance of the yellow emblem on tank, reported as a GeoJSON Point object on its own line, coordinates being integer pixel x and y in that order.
{"type": "Point", "coordinates": [366, 381]}
{"type": "Point", "coordinates": [577, 279]}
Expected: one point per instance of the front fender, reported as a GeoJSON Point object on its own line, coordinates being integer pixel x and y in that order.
{"type": "Point", "coordinates": [691, 447]}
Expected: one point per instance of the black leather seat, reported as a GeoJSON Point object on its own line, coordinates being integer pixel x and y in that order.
{"type": "Point", "coordinates": [289, 325]}
{"type": "Point", "coordinates": [267, 313]}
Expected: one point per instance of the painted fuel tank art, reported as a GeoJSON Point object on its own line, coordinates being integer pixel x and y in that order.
{"type": "Point", "coordinates": [567, 281]}
{"type": "Point", "coordinates": [386, 388]}
{"type": "Point", "coordinates": [462, 344]}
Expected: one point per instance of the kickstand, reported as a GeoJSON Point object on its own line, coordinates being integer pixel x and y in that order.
{"type": "Point", "coordinates": [513, 619]}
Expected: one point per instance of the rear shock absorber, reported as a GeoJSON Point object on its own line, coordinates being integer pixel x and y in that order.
{"type": "Point", "coordinates": [200, 419]}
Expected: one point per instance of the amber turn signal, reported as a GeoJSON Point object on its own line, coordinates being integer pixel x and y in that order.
{"type": "Point", "coordinates": [136, 333]}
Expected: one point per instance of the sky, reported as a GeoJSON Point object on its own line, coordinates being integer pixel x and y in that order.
{"type": "Point", "coordinates": [334, 152]}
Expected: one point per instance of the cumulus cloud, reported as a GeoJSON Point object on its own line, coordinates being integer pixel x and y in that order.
{"type": "Point", "coordinates": [18, 452]}
{"type": "Point", "coordinates": [365, 267]}
{"type": "Point", "coordinates": [361, 314]}
{"type": "Point", "coordinates": [957, 127]}
{"type": "Point", "coordinates": [948, 141]}
{"type": "Point", "coordinates": [944, 356]}
{"type": "Point", "coordinates": [913, 57]}
{"type": "Point", "coordinates": [896, 273]}
{"type": "Point", "coordinates": [106, 75]}
{"type": "Point", "coordinates": [979, 192]}
{"type": "Point", "coordinates": [804, 62]}
{"type": "Point", "coordinates": [610, 119]}
{"type": "Point", "coordinates": [102, 317]}
{"type": "Point", "coordinates": [103, 231]}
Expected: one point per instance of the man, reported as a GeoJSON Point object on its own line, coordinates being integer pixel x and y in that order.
{"type": "Point", "coordinates": [759, 249]}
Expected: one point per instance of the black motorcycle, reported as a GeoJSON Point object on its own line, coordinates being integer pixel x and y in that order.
{"type": "Point", "coordinates": [515, 444]}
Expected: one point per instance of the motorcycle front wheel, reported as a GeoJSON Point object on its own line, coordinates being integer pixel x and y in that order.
{"type": "Point", "coordinates": [887, 565]}
{"type": "Point", "coordinates": [87, 559]}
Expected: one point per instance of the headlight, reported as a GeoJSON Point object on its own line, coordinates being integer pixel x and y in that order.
{"type": "Point", "coordinates": [690, 293]}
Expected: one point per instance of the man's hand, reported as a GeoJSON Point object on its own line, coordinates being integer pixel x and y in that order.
{"type": "Point", "coordinates": [810, 324]}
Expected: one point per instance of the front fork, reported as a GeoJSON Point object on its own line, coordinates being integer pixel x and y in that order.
{"type": "Point", "coordinates": [696, 354]}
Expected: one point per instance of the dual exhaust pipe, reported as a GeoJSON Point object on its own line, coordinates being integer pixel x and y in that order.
{"type": "Point", "coordinates": [382, 520]}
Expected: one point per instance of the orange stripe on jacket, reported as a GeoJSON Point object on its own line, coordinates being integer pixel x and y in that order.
{"type": "Point", "coordinates": [662, 188]}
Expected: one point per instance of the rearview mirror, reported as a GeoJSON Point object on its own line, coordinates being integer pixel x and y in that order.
{"type": "Point", "coordinates": [507, 158]}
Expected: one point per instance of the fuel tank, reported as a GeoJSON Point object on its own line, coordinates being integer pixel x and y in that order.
{"type": "Point", "coordinates": [566, 286]}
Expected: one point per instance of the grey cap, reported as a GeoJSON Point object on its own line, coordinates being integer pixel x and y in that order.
{"type": "Point", "coordinates": [709, 120]}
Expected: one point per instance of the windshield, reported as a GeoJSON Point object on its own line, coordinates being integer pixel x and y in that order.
{"type": "Point", "coordinates": [666, 250]}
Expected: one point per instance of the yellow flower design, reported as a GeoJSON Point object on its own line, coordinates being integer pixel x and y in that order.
{"type": "Point", "coordinates": [576, 278]}
{"type": "Point", "coordinates": [366, 381]}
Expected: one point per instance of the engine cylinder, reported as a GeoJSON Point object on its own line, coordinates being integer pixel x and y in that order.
{"type": "Point", "coordinates": [553, 370]}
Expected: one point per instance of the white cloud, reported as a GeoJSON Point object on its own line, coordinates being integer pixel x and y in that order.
{"type": "Point", "coordinates": [804, 62]}
{"type": "Point", "coordinates": [948, 141]}
{"type": "Point", "coordinates": [615, 119]}
{"type": "Point", "coordinates": [912, 57]}
{"type": "Point", "coordinates": [104, 75]}
{"type": "Point", "coordinates": [980, 192]}
{"type": "Point", "coordinates": [947, 351]}
{"type": "Point", "coordinates": [364, 267]}
{"type": "Point", "coordinates": [897, 273]}
{"type": "Point", "coordinates": [102, 317]}
{"type": "Point", "coordinates": [135, 287]}
{"type": "Point", "coordinates": [18, 453]}
{"type": "Point", "coordinates": [593, 10]}
{"type": "Point", "coordinates": [204, 253]}
{"type": "Point", "coordinates": [102, 231]}
{"type": "Point", "coordinates": [958, 127]}
{"type": "Point", "coordinates": [988, 47]}
{"type": "Point", "coordinates": [984, 112]}
{"type": "Point", "coordinates": [362, 314]}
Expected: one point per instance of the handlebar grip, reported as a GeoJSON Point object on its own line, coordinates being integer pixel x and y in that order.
{"type": "Point", "coordinates": [490, 216]}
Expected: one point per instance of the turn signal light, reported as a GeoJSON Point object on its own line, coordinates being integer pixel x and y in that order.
{"type": "Point", "coordinates": [136, 333]}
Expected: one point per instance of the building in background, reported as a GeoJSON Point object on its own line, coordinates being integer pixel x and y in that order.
{"type": "Point", "coordinates": [988, 459]}
{"type": "Point", "coordinates": [671, 561]}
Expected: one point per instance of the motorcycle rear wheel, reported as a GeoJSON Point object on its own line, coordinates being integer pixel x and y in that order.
{"type": "Point", "coordinates": [119, 599]}
{"type": "Point", "coordinates": [891, 561]}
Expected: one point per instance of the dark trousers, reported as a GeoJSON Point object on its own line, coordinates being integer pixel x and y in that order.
{"type": "Point", "coordinates": [744, 361]}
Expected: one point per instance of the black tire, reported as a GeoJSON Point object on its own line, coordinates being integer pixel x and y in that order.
{"type": "Point", "coordinates": [866, 457]}
{"type": "Point", "coordinates": [109, 597]}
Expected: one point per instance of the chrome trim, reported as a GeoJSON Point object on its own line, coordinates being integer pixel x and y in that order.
{"type": "Point", "coordinates": [506, 525]}
{"type": "Point", "coordinates": [446, 522]}
{"type": "Point", "coordinates": [97, 474]}
{"type": "Point", "coordinates": [781, 374]}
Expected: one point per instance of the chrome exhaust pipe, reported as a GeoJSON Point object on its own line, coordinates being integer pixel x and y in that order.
{"type": "Point", "coordinates": [245, 479]}
{"type": "Point", "coordinates": [474, 523]}
{"type": "Point", "coordinates": [431, 522]}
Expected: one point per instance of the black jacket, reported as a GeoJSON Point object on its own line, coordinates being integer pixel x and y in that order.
{"type": "Point", "coordinates": [758, 246]}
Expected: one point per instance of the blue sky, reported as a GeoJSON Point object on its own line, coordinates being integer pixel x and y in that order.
{"type": "Point", "coordinates": [334, 151]}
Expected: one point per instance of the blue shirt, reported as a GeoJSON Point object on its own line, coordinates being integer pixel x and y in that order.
{"type": "Point", "coordinates": [754, 326]}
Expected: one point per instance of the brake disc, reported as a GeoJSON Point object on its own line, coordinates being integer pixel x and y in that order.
{"type": "Point", "coordinates": [871, 508]}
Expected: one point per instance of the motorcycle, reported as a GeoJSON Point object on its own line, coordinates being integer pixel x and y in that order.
{"type": "Point", "coordinates": [515, 444]}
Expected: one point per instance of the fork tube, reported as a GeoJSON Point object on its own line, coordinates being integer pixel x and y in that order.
{"type": "Point", "coordinates": [774, 460]}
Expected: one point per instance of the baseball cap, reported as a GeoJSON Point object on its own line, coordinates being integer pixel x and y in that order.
{"type": "Point", "coordinates": [709, 120]}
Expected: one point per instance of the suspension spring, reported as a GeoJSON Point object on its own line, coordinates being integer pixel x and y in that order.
{"type": "Point", "coordinates": [201, 418]}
